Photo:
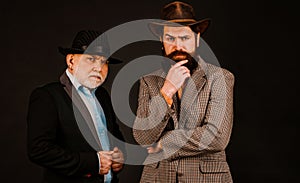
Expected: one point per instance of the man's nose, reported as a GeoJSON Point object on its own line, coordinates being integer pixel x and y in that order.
{"type": "Point", "coordinates": [178, 45]}
{"type": "Point", "coordinates": [98, 67]}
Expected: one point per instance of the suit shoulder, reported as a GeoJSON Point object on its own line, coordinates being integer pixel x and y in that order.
{"type": "Point", "coordinates": [54, 86]}
{"type": "Point", "coordinates": [213, 70]}
{"type": "Point", "coordinates": [155, 76]}
{"type": "Point", "coordinates": [50, 86]}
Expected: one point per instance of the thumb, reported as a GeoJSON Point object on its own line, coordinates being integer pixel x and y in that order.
{"type": "Point", "coordinates": [116, 149]}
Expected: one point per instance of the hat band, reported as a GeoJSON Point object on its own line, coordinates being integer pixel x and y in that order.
{"type": "Point", "coordinates": [94, 49]}
{"type": "Point", "coordinates": [182, 20]}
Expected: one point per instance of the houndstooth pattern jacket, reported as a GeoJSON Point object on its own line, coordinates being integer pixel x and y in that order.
{"type": "Point", "coordinates": [194, 149]}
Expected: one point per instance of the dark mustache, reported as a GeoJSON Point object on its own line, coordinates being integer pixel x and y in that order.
{"type": "Point", "coordinates": [191, 64]}
{"type": "Point", "coordinates": [177, 53]}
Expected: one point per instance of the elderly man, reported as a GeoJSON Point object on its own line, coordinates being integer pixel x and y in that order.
{"type": "Point", "coordinates": [185, 111]}
{"type": "Point", "coordinates": [70, 122]}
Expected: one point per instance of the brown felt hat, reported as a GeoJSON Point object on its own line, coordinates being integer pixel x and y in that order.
{"type": "Point", "coordinates": [179, 14]}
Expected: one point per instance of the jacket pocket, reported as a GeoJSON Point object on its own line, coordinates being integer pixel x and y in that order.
{"type": "Point", "coordinates": [213, 167]}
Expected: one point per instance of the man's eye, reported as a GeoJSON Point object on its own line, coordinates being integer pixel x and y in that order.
{"type": "Point", "coordinates": [91, 59]}
{"type": "Point", "coordinates": [170, 39]}
{"type": "Point", "coordinates": [184, 38]}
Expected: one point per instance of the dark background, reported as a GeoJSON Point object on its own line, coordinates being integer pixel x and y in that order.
{"type": "Point", "coordinates": [256, 40]}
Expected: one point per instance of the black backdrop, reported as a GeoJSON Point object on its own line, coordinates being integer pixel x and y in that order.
{"type": "Point", "coordinates": [256, 40]}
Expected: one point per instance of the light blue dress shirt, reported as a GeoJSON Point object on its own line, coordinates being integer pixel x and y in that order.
{"type": "Point", "coordinates": [97, 114]}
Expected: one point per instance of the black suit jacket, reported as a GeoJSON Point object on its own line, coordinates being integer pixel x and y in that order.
{"type": "Point", "coordinates": [61, 134]}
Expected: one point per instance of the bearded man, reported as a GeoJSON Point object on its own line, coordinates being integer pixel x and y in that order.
{"type": "Point", "coordinates": [185, 111]}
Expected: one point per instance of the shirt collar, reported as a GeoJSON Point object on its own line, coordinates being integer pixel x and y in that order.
{"type": "Point", "coordinates": [76, 83]}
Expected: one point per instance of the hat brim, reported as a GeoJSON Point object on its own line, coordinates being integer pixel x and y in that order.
{"type": "Point", "coordinates": [66, 51]}
{"type": "Point", "coordinates": [197, 26]}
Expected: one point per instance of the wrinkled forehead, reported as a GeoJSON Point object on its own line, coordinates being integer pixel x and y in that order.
{"type": "Point", "coordinates": [94, 56]}
{"type": "Point", "coordinates": [178, 31]}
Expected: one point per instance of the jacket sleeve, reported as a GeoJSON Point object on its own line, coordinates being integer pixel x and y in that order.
{"type": "Point", "coordinates": [42, 142]}
{"type": "Point", "coordinates": [214, 133]}
{"type": "Point", "coordinates": [152, 117]}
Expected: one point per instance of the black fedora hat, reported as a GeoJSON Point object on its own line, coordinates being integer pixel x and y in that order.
{"type": "Point", "coordinates": [90, 42]}
{"type": "Point", "coordinates": [179, 14]}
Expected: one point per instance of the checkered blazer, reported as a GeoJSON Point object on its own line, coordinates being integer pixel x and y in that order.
{"type": "Point", "coordinates": [194, 149]}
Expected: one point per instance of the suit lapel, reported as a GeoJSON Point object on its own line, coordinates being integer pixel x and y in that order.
{"type": "Point", "coordinates": [195, 93]}
{"type": "Point", "coordinates": [81, 111]}
{"type": "Point", "coordinates": [190, 95]}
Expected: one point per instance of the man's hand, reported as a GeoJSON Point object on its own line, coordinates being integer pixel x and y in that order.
{"type": "Point", "coordinates": [105, 161]}
{"type": "Point", "coordinates": [117, 160]}
{"type": "Point", "coordinates": [175, 78]}
{"type": "Point", "coordinates": [155, 149]}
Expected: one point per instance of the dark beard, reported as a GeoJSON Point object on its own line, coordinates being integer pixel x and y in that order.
{"type": "Point", "coordinates": [192, 64]}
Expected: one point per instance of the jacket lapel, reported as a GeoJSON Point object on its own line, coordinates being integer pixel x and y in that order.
{"type": "Point", "coordinates": [192, 98]}
{"type": "Point", "coordinates": [86, 125]}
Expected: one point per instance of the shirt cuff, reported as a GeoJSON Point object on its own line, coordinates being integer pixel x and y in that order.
{"type": "Point", "coordinates": [99, 161]}
{"type": "Point", "coordinates": [167, 99]}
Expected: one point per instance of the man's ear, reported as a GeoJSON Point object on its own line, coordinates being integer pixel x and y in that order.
{"type": "Point", "coordinates": [162, 43]}
{"type": "Point", "coordinates": [198, 40]}
{"type": "Point", "coordinates": [70, 61]}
